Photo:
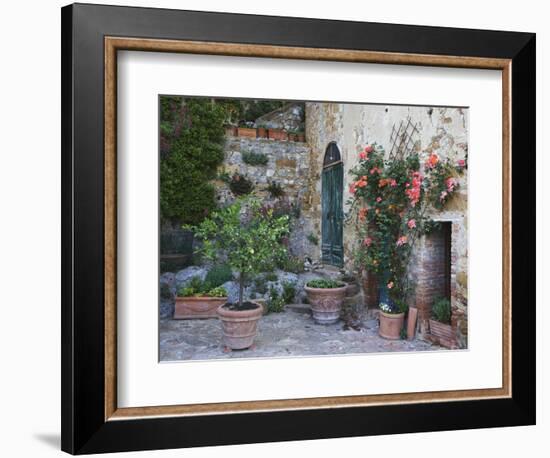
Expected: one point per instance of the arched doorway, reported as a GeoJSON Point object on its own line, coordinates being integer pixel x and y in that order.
{"type": "Point", "coordinates": [332, 205]}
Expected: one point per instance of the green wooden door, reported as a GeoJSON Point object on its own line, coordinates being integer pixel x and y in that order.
{"type": "Point", "coordinates": [332, 248]}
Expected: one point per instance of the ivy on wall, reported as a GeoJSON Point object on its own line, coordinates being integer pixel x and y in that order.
{"type": "Point", "coordinates": [191, 139]}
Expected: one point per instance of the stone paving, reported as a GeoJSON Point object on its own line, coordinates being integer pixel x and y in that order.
{"type": "Point", "coordinates": [290, 333]}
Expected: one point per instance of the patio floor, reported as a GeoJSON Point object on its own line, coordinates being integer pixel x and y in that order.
{"type": "Point", "coordinates": [290, 333]}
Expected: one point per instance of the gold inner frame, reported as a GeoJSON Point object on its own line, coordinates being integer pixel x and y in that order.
{"type": "Point", "coordinates": [114, 44]}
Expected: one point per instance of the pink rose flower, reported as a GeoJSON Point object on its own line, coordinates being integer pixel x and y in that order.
{"type": "Point", "coordinates": [379, 199]}
{"type": "Point", "coordinates": [402, 240]}
{"type": "Point", "coordinates": [411, 224]}
{"type": "Point", "coordinates": [390, 285]}
{"type": "Point", "coordinates": [369, 149]}
{"type": "Point", "coordinates": [461, 163]}
{"type": "Point", "coordinates": [362, 155]}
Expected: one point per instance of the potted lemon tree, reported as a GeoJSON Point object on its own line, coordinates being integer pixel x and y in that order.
{"type": "Point", "coordinates": [251, 242]}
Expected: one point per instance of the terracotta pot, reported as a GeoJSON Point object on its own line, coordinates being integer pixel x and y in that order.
{"type": "Point", "coordinates": [262, 132]}
{"type": "Point", "coordinates": [239, 326]}
{"type": "Point", "coordinates": [277, 134]}
{"type": "Point", "coordinates": [370, 289]}
{"type": "Point", "coordinates": [443, 331]}
{"type": "Point", "coordinates": [292, 137]}
{"type": "Point", "coordinates": [197, 307]}
{"type": "Point", "coordinates": [231, 131]}
{"type": "Point", "coordinates": [326, 303]}
{"type": "Point", "coordinates": [247, 132]}
{"type": "Point", "coordinates": [390, 325]}
{"type": "Point", "coordinates": [301, 137]}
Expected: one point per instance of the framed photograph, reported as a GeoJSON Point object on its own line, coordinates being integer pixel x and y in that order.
{"type": "Point", "coordinates": [284, 228]}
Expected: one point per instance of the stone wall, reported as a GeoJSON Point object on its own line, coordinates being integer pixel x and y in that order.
{"type": "Point", "coordinates": [288, 166]}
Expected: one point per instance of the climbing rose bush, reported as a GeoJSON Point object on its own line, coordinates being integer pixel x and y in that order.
{"type": "Point", "coordinates": [389, 200]}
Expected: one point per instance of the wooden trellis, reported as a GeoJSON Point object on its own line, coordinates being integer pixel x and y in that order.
{"type": "Point", "coordinates": [402, 138]}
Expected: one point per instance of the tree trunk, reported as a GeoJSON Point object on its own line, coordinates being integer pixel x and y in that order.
{"type": "Point", "coordinates": [241, 289]}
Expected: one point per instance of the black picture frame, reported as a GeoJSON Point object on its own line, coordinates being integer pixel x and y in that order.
{"type": "Point", "coordinates": [84, 428]}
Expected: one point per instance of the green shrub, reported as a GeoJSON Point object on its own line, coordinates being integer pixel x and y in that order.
{"type": "Point", "coordinates": [218, 275]}
{"type": "Point", "coordinates": [289, 291]}
{"type": "Point", "coordinates": [252, 158]}
{"type": "Point", "coordinates": [313, 239]}
{"type": "Point", "coordinates": [192, 138]}
{"type": "Point", "coordinates": [324, 283]}
{"type": "Point", "coordinates": [271, 276]}
{"type": "Point", "coordinates": [165, 292]}
{"type": "Point", "coordinates": [441, 310]}
{"type": "Point", "coordinates": [276, 303]}
{"type": "Point", "coordinates": [217, 292]}
{"type": "Point", "coordinates": [275, 189]}
{"type": "Point", "coordinates": [196, 287]}
{"type": "Point", "coordinates": [240, 185]}
{"type": "Point", "coordinates": [291, 264]}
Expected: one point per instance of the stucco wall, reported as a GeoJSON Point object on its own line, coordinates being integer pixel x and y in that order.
{"type": "Point", "coordinates": [353, 126]}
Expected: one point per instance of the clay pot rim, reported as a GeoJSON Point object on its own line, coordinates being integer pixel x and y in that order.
{"type": "Point", "coordinates": [329, 290]}
{"type": "Point", "coordinates": [223, 312]}
{"type": "Point", "coordinates": [391, 315]}
{"type": "Point", "coordinates": [203, 298]}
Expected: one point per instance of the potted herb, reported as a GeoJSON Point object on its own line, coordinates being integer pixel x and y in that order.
{"type": "Point", "coordinates": [262, 131]}
{"type": "Point", "coordinates": [197, 300]}
{"type": "Point", "coordinates": [245, 130]}
{"type": "Point", "coordinates": [391, 321]}
{"type": "Point", "coordinates": [277, 134]}
{"type": "Point", "coordinates": [251, 242]}
{"type": "Point", "coordinates": [440, 324]}
{"type": "Point", "coordinates": [326, 298]}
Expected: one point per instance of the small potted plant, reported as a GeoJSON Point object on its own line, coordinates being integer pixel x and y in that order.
{"type": "Point", "coordinates": [301, 136]}
{"type": "Point", "coordinates": [391, 321]}
{"type": "Point", "coordinates": [196, 300]}
{"type": "Point", "coordinates": [246, 130]}
{"type": "Point", "coordinates": [326, 298]}
{"type": "Point", "coordinates": [440, 324]}
{"type": "Point", "coordinates": [251, 242]}
{"type": "Point", "coordinates": [262, 131]}
{"type": "Point", "coordinates": [292, 136]}
{"type": "Point", "coordinates": [277, 134]}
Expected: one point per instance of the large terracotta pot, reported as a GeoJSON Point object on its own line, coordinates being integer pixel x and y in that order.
{"type": "Point", "coordinates": [197, 307]}
{"type": "Point", "coordinates": [326, 303]}
{"type": "Point", "coordinates": [239, 326]}
{"type": "Point", "coordinates": [390, 325]}
{"type": "Point", "coordinates": [370, 289]}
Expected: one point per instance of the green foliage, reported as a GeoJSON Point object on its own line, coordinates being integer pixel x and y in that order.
{"type": "Point", "coordinates": [250, 240]}
{"type": "Point", "coordinates": [218, 275]}
{"type": "Point", "coordinates": [196, 287]}
{"type": "Point", "coordinates": [165, 292]}
{"type": "Point", "coordinates": [441, 310]}
{"type": "Point", "coordinates": [240, 185]}
{"type": "Point", "coordinates": [252, 158]}
{"type": "Point", "coordinates": [324, 283]}
{"type": "Point", "coordinates": [276, 303]}
{"type": "Point", "coordinates": [289, 291]}
{"type": "Point", "coordinates": [270, 276]}
{"type": "Point", "coordinates": [192, 137]}
{"type": "Point", "coordinates": [242, 110]}
{"type": "Point", "coordinates": [313, 239]}
{"type": "Point", "coordinates": [275, 189]}
{"type": "Point", "coordinates": [290, 263]}
{"type": "Point", "coordinates": [217, 292]}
